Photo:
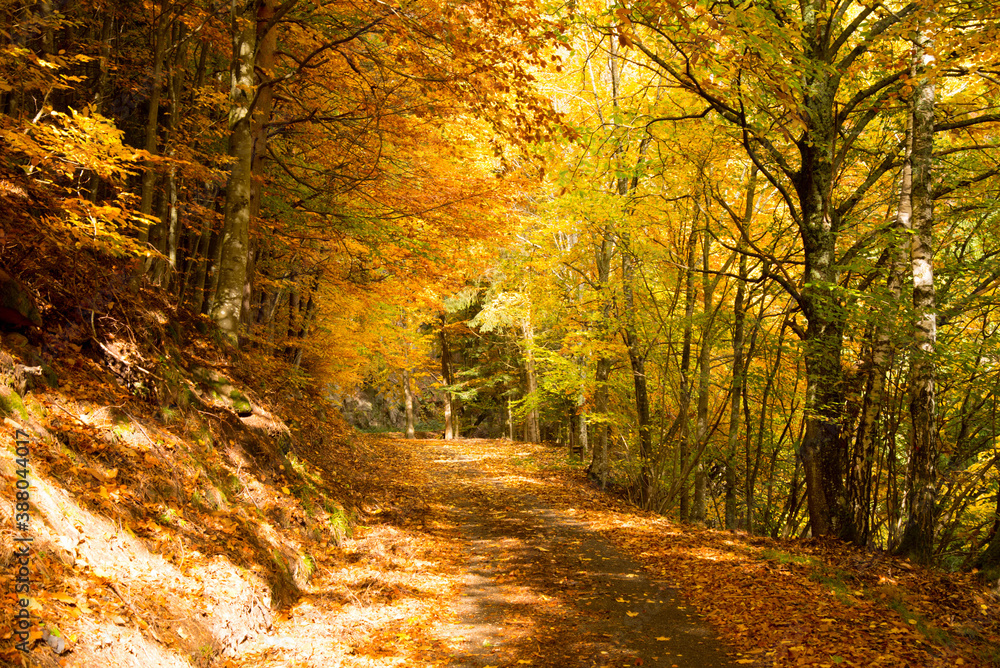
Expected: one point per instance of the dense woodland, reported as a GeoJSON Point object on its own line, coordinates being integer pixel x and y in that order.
{"type": "Point", "coordinates": [741, 257]}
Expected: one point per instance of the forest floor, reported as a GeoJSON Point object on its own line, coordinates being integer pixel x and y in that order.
{"type": "Point", "coordinates": [480, 553]}
{"type": "Point", "coordinates": [211, 547]}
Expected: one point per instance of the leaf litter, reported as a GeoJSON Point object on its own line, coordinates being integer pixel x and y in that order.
{"type": "Point", "coordinates": [396, 595]}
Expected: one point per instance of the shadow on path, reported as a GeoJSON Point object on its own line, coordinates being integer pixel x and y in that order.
{"type": "Point", "coordinates": [543, 589]}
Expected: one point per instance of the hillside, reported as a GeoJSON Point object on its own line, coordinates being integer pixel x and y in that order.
{"type": "Point", "coordinates": [173, 506]}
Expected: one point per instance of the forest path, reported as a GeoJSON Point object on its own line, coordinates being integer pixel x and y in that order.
{"type": "Point", "coordinates": [544, 589]}
{"type": "Point", "coordinates": [477, 553]}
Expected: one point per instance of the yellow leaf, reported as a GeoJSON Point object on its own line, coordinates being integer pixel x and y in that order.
{"type": "Point", "coordinates": [663, 639]}
{"type": "Point", "coordinates": [632, 614]}
{"type": "Point", "coordinates": [286, 490]}
{"type": "Point", "coordinates": [63, 598]}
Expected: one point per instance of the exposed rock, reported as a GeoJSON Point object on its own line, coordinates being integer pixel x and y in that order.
{"type": "Point", "coordinates": [28, 375]}
{"type": "Point", "coordinates": [11, 404]}
{"type": "Point", "coordinates": [219, 388]}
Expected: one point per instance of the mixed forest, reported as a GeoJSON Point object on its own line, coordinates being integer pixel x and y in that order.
{"type": "Point", "coordinates": [740, 258]}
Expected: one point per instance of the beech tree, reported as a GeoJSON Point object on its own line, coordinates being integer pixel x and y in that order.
{"type": "Point", "coordinates": [804, 111]}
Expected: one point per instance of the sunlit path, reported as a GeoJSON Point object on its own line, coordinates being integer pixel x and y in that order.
{"type": "Point", "coordinates": [543, 588]}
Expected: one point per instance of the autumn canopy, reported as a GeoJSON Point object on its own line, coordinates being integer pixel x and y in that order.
{"type": "Point", "coordinates": [739, 257]}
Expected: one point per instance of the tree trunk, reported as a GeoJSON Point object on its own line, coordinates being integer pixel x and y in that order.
{"type": "Point", "coordinates": [532, 433]}
{"type": "Point", "coordinates": [408, 398]}
{"type": "Point", "coordinates": [860, 485]}
{"type": "Point", "coordinates": [211, 282]}
{"type": "Point", "coordinates": [152, 117]}
{"type": "Point", "coordinates": [754, 456]}
{"type": "Point", "coordinates": [989, 560]}
{"type": "Point", "coordinates": [686, 436]}
{"type": "Point", "coordinates": [581, 412]}
{"type": "Point", "coordinates": [699, 510]}
{"type": "Point", "coordinates": [202, 259]}
{"type": "Point", "coordinates": [446, 376]}
{"type": "Point", "coordinates": [235, 246]}
{"type": "Point", "coordinates": [309, 314]}
{"type": "Point", "coordinates": [599, 464]}
{"type": "Point", "coordinates": [735, 396]}
{"type": "Point", "coordinates": [822, 450]}
{"type": "Point", "coordinates": [918, 536]}
{"type": "Point", "coordinates": [267, 45]}
{"type": "Point", "coordinates": [638, 363]}
{"type": "Point", "coordinates": [739, 378]}
{"type": "Point", "coordinates": [165, 273]}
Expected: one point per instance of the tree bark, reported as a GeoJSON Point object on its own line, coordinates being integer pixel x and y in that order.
{"type": "Point", "coordinates": [739, 378]}
{"type": "Point", "coordinates": [267, 41]}
{"type": "Point", "coordinates": [152, 117]}
{"type": "Point", "coordinates": [165, 272]}
{"type": "Point", "coordinates": [531, 428]}
{"type": "Point", "coordinates": [686, 385]}
{"type": "Point", "coordinates": [581, 411]}
{"type": "Point", "coordinates": [638, 362]}
{"type": "Point", "coordinates": [822, 450]}
{"type": "Point", "coordinates": [599, 464]}
{"type": "Point", "coordinates": [918, 536]}
{"type": "Point", "coordinates": [447, 377]}
{"type": "Point", "coordinates": [989, 559]}
{"type": "Point", "coordinates": [408, 399]}
{"type": "Point", "coordinates": [228, 302]}
{"type": "Point", "coordinates": [860, 484]}
{"type": "Point", "coordinates": [699, 510]}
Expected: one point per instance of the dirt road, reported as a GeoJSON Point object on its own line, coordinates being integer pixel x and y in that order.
{"type": "Point", "coordinates": [464, 558]}
{"type": "Point", "coordinates": [542, 589]}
